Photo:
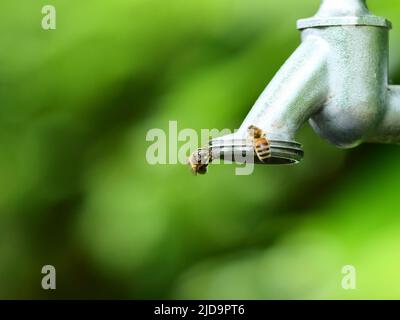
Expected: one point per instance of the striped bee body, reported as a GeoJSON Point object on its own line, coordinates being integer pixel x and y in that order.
{"type": "Point", "coordinates": [261, 144]}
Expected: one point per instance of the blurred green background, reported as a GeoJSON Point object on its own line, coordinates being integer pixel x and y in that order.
{"type": "Point", "coordinates": [76, 191]}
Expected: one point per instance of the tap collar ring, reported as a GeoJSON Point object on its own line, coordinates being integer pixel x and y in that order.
{"type": "Point", "coordinates": [369, 20]}
{"type": "Point", "coordinates": [282, 151]}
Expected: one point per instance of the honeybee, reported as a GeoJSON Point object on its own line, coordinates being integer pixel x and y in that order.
{"type": "Point", "coordinates": [199, 160]}
{"type": "Point", "coordinates": [261, 144]}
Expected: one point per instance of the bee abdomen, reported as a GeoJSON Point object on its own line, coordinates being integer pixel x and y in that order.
{"type": "Point", "coordinates": [262, 149]}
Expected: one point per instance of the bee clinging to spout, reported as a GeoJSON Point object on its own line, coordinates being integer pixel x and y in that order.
{"type": "Point", "coordinates": [199, 160]}
{"type": "Point", "coordinates": [261, 144]}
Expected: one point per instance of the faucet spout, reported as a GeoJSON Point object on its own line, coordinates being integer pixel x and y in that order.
{"type": "Point", "coordinates": [297, 91]}
{"type": "Point", "coordinates": [337, 79]}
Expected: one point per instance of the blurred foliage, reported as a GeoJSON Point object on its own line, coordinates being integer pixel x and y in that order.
{"type": "Point", "coordinates": [77, 192]}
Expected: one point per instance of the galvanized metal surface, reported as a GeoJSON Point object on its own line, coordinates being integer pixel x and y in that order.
{"type": "Point", "coordinates": [337, 80]}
